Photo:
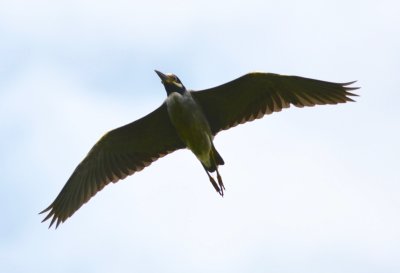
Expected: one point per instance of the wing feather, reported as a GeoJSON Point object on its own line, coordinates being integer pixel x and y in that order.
{"type": "Point", "coordinates": [257, 94]}
{"type": "Point", "coordinates": [119, 153]}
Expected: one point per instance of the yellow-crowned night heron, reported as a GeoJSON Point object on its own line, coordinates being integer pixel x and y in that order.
{"type": "Point", "coordinates": [188, 119]}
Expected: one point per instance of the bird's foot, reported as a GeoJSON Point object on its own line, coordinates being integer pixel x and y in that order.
{"type": "Point", "coordinates": [221, 184]}
{"type": "Point", "coordinates": [215, 185]}
{"type": "Point", "coordinates": [218, 187]}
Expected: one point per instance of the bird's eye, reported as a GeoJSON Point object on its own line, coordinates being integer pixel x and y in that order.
{"type": "Point", "coordinates": [176, 79]}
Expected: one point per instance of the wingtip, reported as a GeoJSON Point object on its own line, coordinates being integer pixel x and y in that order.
{"type": "Point", "coordinates": [348, 88]}
{"type": "Point", "coordinates": [349, 99]}
{"type": "Point", "coordinates": [48, 216]}
{"type": "Point", "coordinates": [45, 210]}
{"type": "Point", "coordinates": [352, 88]}
{"type": "Point", "coordinates": [348, 83]}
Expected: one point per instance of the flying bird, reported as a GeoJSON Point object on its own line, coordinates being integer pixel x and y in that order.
{"type": "Point", "coordinates": [188, 119]}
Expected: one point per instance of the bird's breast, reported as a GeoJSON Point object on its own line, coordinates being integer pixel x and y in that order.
{"type": "Point", "coordinates": [190, 123]}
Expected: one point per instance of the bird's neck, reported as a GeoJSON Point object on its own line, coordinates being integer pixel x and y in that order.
{"type": "Point", "coordinates": [175, 89]}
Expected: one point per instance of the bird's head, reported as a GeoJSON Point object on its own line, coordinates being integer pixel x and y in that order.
{"type": "Point", "coordinates": [171, 83]}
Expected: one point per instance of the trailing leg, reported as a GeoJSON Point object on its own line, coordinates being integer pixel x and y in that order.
{"type": "Point", "coordinates": [219, 189]}
{"type": "Point", "coordinates": [221, 184]}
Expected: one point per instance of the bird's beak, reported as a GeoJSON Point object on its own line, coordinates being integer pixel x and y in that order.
{"type": "Point", "coordinates": [162, 76]}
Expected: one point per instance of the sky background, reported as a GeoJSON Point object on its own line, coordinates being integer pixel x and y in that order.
{"type": "Point", "coordinates": [308, 190]}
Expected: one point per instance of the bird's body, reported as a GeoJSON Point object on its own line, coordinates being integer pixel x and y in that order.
{"type": "Point", "coordinates": [193, 129]}
{"type": "Point", "coordinates": [191, 125]}
{"type": "Point", "coordinates": [187, 119]}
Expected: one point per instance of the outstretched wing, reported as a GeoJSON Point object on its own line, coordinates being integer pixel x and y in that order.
{"type": "Point", "coordinates": [119, 153]}
{"type": "Point", "coordinates": [256, 94]}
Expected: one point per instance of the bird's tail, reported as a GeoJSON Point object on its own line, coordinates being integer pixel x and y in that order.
{"type": "Point", "coordinates": [216, 160]}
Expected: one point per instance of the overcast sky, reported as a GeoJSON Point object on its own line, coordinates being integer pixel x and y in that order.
{"type": "Point", "coordinates": [308, 190]}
